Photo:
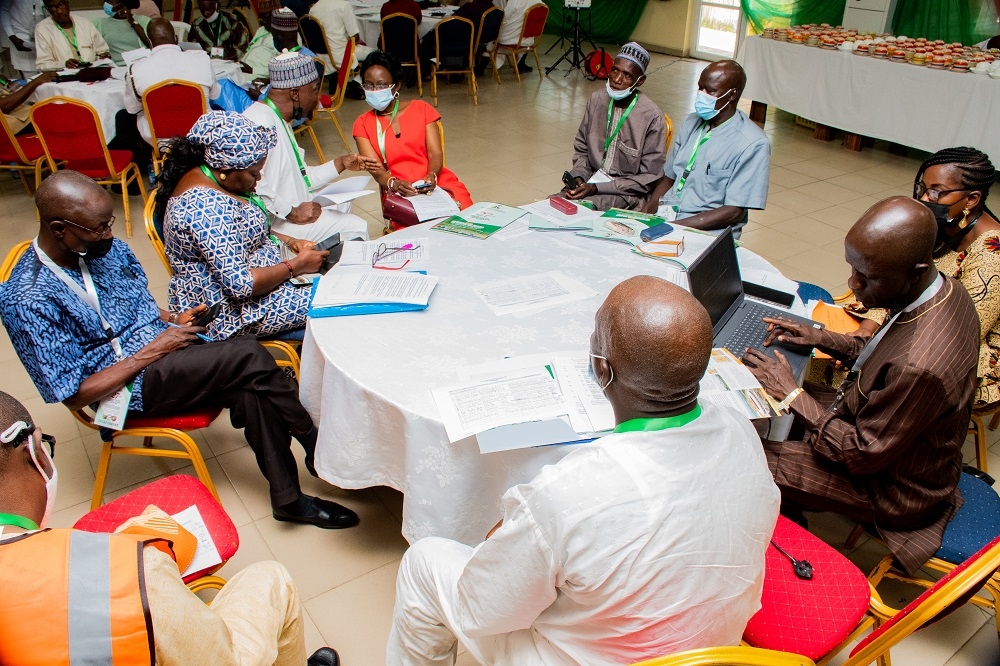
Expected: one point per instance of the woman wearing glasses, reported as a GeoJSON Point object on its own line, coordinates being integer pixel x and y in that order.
{"type": "Point", "coordinates": [402, 135]}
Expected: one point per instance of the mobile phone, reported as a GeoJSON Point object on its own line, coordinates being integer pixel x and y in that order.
{"type": "Point", "coordinates": [328, 243]}
{"type": "Point", "coordinates": [208, 315]}
{"type": "Point", "coordinates": [335, 247]}
{"type": "Point", "coordinates": [568, 180]}
{"type": "Point", "coordinates": [301, 281]}
{"type": "Point", "coordinates": [422, 186]}
{"type": "Point", "coordinates": [84, 63]}
{"type": "Point", "coordinates": [655, 231]}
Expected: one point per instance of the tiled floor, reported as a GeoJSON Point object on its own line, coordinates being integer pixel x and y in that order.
{"type": "Point", "coordinates": [512, 148]}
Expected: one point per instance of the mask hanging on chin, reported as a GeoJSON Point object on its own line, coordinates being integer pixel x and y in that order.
{"type": "Point", "coordinates": [109, 9]}
{"type": "Point", "coordinates": [213, 18]}
{"type": "Point", "coordinates": [617, 95]}
{"type": "Point", "coordinates": [704, 105]}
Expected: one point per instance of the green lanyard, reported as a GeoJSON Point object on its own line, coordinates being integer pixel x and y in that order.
{"type": "Point", "coordinates": [295, 146]}
{"type": "Point", "coordinates": [252, 198]}
{"type": "Point", "coordinates": [380, 131]}
{"type": "Point", "coordinates": [72, 41]}
{"type": "Point", "coordinates": [647, 425]}
{"type": "Point", "coordinates": [18, 521]}
{"type": "Point", "coordinates": [612, 135]}
{"type": "Point", "coordinates": [702, 138]}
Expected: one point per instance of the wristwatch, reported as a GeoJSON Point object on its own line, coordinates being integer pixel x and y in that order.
{"type": "Point", "coordinates": [786, 403]}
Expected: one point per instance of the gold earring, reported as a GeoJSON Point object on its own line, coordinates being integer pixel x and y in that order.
{"type": "Point", "coordinates": [964, 222]}
{"type": "Point", "coordinates": [222, 176]}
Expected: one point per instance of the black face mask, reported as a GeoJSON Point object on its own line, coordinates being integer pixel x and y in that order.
{"type": "Point", "coordinates": [98, 249]}
{"type": "Point", "coordinates": [945, 242]}
{"type": "Point", "coordinates": [296, 112]}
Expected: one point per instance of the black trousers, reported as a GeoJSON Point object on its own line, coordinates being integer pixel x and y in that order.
{"type": "Point", "coordinates": [127, 137]}
{"type": "Point", "coordinates": [239, 374]}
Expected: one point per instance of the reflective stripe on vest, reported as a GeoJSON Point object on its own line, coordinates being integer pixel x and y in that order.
{"type": "Point", "coordinates": [74, 598]}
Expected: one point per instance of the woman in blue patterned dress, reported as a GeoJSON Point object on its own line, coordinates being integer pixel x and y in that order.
{"type": "Point", "coordinates": [217, 235]}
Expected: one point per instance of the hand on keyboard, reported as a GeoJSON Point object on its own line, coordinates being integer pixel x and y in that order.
{"type": "Point", "coordinates": [773, 372]}
{"type": "Point", "coordinates": [790, 331]}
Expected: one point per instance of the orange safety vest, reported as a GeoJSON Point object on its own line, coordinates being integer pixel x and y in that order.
{"type": "Point", "coordinates": [74, 598]}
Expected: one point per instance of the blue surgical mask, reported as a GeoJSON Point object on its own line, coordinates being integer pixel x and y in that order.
{"type": "Point", "coordinates": [109, 9]}
{"type": "Point", "coordinates": [379, 99]}
{"type": "Point", "coordinates": [704, 105]}
{"type": "Point", "coordinates": [296, 122]}
{"type": "Point", "coordinates": [617, 95]}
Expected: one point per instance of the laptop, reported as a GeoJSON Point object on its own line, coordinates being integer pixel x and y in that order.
{"type": "Point", "coordinates": [714, 279]}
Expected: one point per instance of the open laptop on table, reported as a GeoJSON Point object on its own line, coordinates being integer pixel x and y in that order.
{"type": "Point", "coordinates": [714, 279]}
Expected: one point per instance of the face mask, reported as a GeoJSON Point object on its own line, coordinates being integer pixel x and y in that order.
{"type": "Point", "coordinates": [704, 105]}
{"type": "Point", "coordinates": [594, 374]}
{"type": "Point", "coordinates": [618, 95]}
{"type": "Point", "coordinates": [109, 9]}
{"type": "Point", "coordinates": [51, 484]}
{"type": "Point", "coordinates": [940, 211]}
{"type": "Point", "coordinates": [379, 99]}
{"type": "Point", "coordinates": [98, 249]}
{"type": "Point", "coordinates": [296, 122]}
{"type": "Point", "coordinates": [213, 18]}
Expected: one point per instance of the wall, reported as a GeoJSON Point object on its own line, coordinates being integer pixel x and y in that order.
{"type": "Point", "coordinates": [665, 26]}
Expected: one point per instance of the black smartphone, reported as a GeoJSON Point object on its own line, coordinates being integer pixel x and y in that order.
{"type": "Point", "coordinates": [328, 243]}
{"type": "Point", "coordinates": [424, 187]}
{"type": "Point", "coordinates": [208, 315]}
{"type": "Point", "coordinates": [568, 180]}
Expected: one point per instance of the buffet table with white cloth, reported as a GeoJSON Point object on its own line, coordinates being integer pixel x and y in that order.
{"type": "Point", "coordinates": [906, 104]}
{"type": "Point", "coordinates": [366, 379]}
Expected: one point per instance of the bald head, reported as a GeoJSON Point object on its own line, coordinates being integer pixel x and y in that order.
{"type": "Point", "coordinates": [160, 31]}
{"type": "Point", "coordinates": [724, 75]}
{"type": "Point", "coordinates": [67, 194]}
{"type": "Point", "coordinates": [657, 339]}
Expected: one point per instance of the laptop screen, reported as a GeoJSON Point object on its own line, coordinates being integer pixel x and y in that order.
{"type": "Point", "coordinates": [714, 278]}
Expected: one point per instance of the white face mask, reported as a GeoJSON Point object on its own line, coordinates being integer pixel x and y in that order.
{"type": "Point", "coordinates": [618, 95]}
{"type": "Point", "coordinates": [214, 17]}
{"type": "Point", "coordinates": [43, 463]}
{"type": "Point", "coordinates": [380, 99]}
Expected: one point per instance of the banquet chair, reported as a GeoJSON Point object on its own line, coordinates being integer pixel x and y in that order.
{"type": "Point", "coordinates": [329, 104]}
{"type": "Point", "coordinates": [249, 19]}
{"type": "Point", "coordinates": [70, 132]}
{"type": "Point", "coordinates": [396, 32]}
{"type": "Point", "coordinates": [284, 344]}
{"type": "Point", "coordinates": [314, 37]}
{"type": "Point", "coordinates": [244, 21]}
{"type": "Point", "coordinates": [167, 427]}
{"type": "Point", "coordinates": [489, 30]}
{"type": "Point", "coordinates": [172, 494]}
{"type": "Point", "coordinates": [729, 656]}
{"type": "Point", "coordinates": [22, 154]}
{"type": "Point", "coordinates": [534, 24]}
{"type": "Point", "coordinates": [307, 128]}
{"type": "Point", "coordinates": [453, 42]}
{"type": "Point", "coordinates": [670, 131]}
{"type": "Point", "coordinates": [171, 107]}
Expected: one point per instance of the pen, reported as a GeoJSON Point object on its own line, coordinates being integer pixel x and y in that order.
{"type": "Point", "coordinates": [203, 337]}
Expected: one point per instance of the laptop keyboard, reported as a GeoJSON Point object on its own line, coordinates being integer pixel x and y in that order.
{"type": "Point", "coordinates": [751, 332]}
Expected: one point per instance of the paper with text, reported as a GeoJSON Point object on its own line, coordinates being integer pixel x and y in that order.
{"type": "Point", "coordinates": [728, 382]}
{"type": "Point", "coordinates": [531, 294]}
{"type": "Point", "coordinates": [436, 204]}
{"type": "Point", "coordinates": [348, 288]}
{"type": "Point", "coordinates": [361, 253]}
{"type": "Point", "coordinates": [206, 555]}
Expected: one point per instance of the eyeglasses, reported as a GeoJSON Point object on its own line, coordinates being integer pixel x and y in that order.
{"type": "Point", "coordinates": [100, 231]}
{"type": "Point", "coordinates": [384, 252]}
{"type": "Point", "coordinates": [919, 190]}
{"type": "Point", "coordinates": [372, 87]}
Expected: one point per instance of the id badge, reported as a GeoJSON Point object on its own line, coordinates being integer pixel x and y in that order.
{"type": "Point", "coordinates": [216, 52]}
{"type": "Point", "coordinates": [668, 213]}
{"type": "Point", "coordinates": [112, 410]}
{"type": "Point", "coordinates": [599, 177]}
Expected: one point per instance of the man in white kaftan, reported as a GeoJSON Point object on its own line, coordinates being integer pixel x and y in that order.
{"type": "Point", "coordinates": [646, 542]}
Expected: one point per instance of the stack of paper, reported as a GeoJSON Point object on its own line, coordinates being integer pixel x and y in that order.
{"type": "Point", "coordinates": [530, 294]}
{"type": "Point", "coordinates": [430, 206]}
{"type": "Point", "coordinates": [343, 190]}
{"type": "Point", "coordinates": [728, 382]}
{"type": "Point", "coordinates": [480, 220]}
{"type": "Point", "coordinates": [341, 293]}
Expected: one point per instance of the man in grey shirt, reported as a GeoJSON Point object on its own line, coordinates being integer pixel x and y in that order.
{"type": "Point", "coordinates": [718, 164]}
{"type": "Point", "coordinates": [619, 149]}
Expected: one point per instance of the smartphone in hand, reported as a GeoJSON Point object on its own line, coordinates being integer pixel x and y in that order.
{"type": "Point", "coordinates": [209, 315]}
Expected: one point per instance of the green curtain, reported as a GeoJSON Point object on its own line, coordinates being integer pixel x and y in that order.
{"type": "Point", "coordinates": [783, 13]}
{"type": "Point", "coordinates": [965, 21]}
{"type": "Point", "coordinates": [613, 20]}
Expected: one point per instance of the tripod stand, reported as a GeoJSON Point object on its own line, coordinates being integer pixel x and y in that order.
{"type": "Point", "coordinates": [574, 55]}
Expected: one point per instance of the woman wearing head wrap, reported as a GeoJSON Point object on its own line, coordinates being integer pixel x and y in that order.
{"type": "Point", "coordinates": [216, 231]}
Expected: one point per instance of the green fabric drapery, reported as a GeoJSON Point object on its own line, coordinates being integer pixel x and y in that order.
{"type": "Point", "coordinates": [613, 20]}
{"type": "Point", "coordinates": [783, 13]}
{"type": "Point", "coordinates": [965, 21]}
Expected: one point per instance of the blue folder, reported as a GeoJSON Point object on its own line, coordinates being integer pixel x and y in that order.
{"type": "Point", "coordinates": [356, 308]}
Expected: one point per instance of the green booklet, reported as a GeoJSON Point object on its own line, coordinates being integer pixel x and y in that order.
{"type": "Point", "coordinates": [480, 220]}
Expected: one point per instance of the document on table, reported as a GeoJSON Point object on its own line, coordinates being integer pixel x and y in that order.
{"type": "Point", "coordinates": [361, 253]}
{"type": "Point", "coordinates": [525, 395]}
{"type": "Point", "coordinates": [514, 229]}
{"type": "Point", "coordinates": [135, 54]}
{"type": "Point", "coordinates": [430, 206]}
{"type": "Point", "coordinates": [342, 190]}
{"type": "Point", "coordinates": [531, 294]}
{"type": "Point", "coordinates": [350, 288]}
{"type": "Point", "coordinates": [728, 382]}
{"type": "Point", "coordinates": [575, 376]}
{"type": "Point", "coordinates": [553, 219]}
{"type": "Point", "coordinates": [206, 554]}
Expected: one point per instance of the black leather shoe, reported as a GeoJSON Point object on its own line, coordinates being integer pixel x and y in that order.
{"type": "Point", "coordinates": [321, 513]}
{"type": "Point", "coordinates": [523, 67]}
{"type": "Point", "coordinates": [324, 657]}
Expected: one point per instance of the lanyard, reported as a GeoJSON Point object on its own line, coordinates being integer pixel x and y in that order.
{"type": "Point", "coordinates": [621, 121]}
{"type": "Point", "coordinates": [18, 521]}
{"type": "Point", "coordinates": [380, 131]}
{"type": "Point", "coordinates": [291, 139]}
{"type": "Point", "coordinates": [702, 138]}
{"type": "Point", "coordinates": [647, 425]}
{"type": "Point", "coordinates": [89, 296]}
{"type": "Point", "coordinates": [72, 41]}
{"type": "Point", "coordinates": [252, 198]}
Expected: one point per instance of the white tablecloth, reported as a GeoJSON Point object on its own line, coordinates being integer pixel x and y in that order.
{"type": "Point", "coordinates": [906, 104]}
{"type": "Point", "coordinates": [369, 23]}
{"type": "Point", "coordinates": [366, 380]}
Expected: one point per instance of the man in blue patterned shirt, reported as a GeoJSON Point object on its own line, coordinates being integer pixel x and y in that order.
{"type": "Point", "coordinates": [81, 355]}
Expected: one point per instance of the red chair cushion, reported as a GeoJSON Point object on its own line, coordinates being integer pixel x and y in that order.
{"type": "Point", "coordinates": [325, 101]}
{"type": "Point", "coordinates": [807, 617]}
{"type": "Point", "coordinates": [172, 494]}
{"type": "Point", "coordinates": [187, 421]}
{"type": "Point", "coordinates": [97, 168]}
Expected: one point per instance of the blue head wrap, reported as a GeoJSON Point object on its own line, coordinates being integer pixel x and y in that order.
{"type": "Point", "coordinates": [231, 140]}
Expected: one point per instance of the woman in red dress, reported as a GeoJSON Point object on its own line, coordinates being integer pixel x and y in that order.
{"type": "Point", "coordinates": [402, 135]}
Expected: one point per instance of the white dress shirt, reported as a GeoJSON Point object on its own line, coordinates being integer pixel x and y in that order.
{"type": "Point", "coordinates": [513, 20]}
{"type": "Point", "coordinates": [164, 62]}
{"type": "Point", "coordinates": [636, 545]}
{"type": "Point", "coordinates": [19, 18]}
{"type": "Point", "coordinates": [53, 49]}
{"type": "Point", "coordinates": [340, 24]}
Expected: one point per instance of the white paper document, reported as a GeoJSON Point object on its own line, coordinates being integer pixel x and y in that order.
{"type": "Point", "coordinates": [578, 384]}
{"type": "Point", "coordinates": [391, 252]}
{"type": "Point", "coordinates": [514, 230]}
{"type": "Point", "coordinates": [530, 294]}
{"type": "Point", "coordinates": [728, 382]}
{"type": "Point", "coordinates": [436, 204]}
{"type": "Point", "coordinates": [342, 190]}
{"type": "Point", "coordinates": [135, 54]}
{"type": "Point", "coordinates": [206, 554]}
{"type": "Point", "coordinates": [583, 219]}
{"type": "Point", "coordinates": [348, 288]}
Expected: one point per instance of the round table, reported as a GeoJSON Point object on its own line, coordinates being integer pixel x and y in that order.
{"type": "Point", "coordinates": [369, 22]}
{"type": "Point", "coordinates": [366, 380]}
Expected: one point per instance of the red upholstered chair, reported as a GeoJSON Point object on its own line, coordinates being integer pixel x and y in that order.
{"type": "Point", "coordinates": [21, 153]}
{"type": "Point", "coordinates": [70, 131]}
{"type": "Point", "coordinates": [171, 107]}
{"type": "Point", "coordinates": [173, 494]}
{"type": "Point", "coordinates": [534, 25]}
{"type": "Point", "coordinates": [329, 104]}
